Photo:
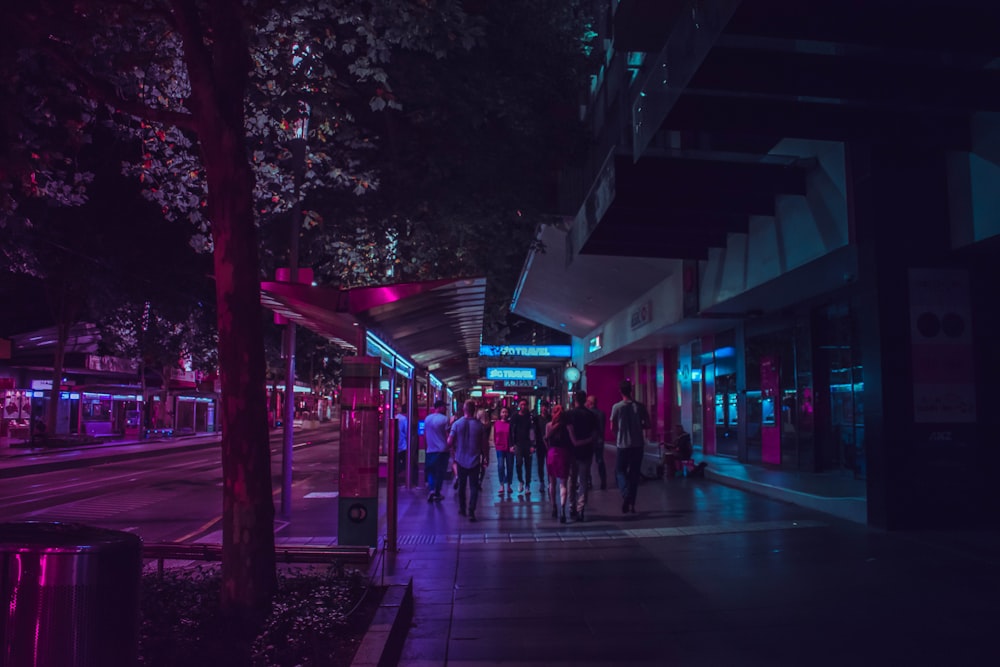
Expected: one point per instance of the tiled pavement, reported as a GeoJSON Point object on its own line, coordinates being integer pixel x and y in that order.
{"type": "Point", "coordinates": [703, 574]}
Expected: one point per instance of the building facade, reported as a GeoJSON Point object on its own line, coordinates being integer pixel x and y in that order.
{"type": "Point", "coordinates": [789, 243]}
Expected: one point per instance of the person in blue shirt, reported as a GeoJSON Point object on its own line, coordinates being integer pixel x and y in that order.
{"type": "Point", "coordinates": [402, 437]}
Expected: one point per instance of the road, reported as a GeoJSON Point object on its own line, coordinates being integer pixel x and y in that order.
{"type": "Point", "coordinates": [175, 496]}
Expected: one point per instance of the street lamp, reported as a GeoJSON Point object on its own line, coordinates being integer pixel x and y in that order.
{"type": "Point", "coordinates": [297, 146]}
{"type": "Point", "coordinates": [571, 375]}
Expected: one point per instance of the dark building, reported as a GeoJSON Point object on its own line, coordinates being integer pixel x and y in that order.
{"type": "Point", "coordinates": [788, 237]}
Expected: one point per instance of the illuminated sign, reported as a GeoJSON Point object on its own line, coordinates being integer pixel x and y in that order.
{"type": "Point", "coordinates": [641, 315]}
{"type": "Point", "coordinates": [596, 343]}
{"type": "Point", "coordinates": [525, 351]}
{"type": "Point", "coordinates": [498, 373]}
{"type": "Point", "coordinates": [522, 384]}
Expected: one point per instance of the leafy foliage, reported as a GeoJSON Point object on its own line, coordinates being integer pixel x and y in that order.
{"type": "Point", "coordinates": [468, 165]}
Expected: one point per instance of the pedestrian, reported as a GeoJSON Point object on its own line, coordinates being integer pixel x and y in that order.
{"type": "Point", "coordinates": [678, 450]}
{"type": "Point", "coordinates": [542, 420]}
{"type": "Point", "coordinates": [470, 448]}
{"type": "Point", "coordinates": [629, 420]}
{"type": "Point", "coordinates": [583, 429]}
{"type": "Point", "coordinates": [402, 437]}
{"type": "Point", "coordinates": [558, 455]}
{"type": "Point", "coordinates": [602, 425]}
{"type": "Point", "coordinates": [505, 455]}
{"type": "Point", "coordinates": [436, 462]}
{"type": "Point", "coordinates": [522, 430]}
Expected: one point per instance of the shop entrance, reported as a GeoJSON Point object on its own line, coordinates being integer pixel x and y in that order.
{"type": "Point", "coordinates": [839, 405]}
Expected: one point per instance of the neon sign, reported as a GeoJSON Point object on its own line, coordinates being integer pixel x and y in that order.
{"type": "Point", "coordinates": [499, 373]}
{"type": "Point", "coordinates": [525, 351]}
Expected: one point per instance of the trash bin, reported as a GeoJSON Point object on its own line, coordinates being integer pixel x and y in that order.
{"type": "Point", "coordinates": [69, 595]}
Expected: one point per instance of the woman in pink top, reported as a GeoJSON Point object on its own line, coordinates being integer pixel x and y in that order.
{"type": "Point", "coordinates": [505, 454]}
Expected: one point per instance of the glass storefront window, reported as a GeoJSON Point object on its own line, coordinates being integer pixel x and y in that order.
{"type": "Point", "coordinates": [96, 409]}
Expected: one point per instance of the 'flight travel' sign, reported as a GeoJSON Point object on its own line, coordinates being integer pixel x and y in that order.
{"type": "Point", "coordinates": [500, 373]}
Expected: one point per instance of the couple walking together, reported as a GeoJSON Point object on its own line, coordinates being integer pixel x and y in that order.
{"type": "Point", "coordinates": [572, 436]}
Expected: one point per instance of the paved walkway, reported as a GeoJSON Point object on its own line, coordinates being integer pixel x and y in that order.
{"type": "Point", "coordinates": [703, 574]}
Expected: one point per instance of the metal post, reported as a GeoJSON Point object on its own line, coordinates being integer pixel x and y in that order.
{"type": "Point", "coordinates": [298, 148]}
{"type": "Point", "coordinates": [392, 478]}
{"type": "Point", "coordinates": [412, 441]}
{"type": "Point", "coordinates": [391, 491]}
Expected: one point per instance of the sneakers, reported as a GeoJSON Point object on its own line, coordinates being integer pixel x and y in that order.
{"type": "Point", "coordinates": [521, 488]}
{"type": "Point", "coordinates": [510, 490]}
{"type": "Point", "coordinates": [431, 497]}
{"type": "Point", "coordinates": [472, 517]}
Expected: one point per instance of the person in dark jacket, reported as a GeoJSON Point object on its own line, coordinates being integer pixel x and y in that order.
{"type": "Point", "coordinates": [522, 434]}
{"type": "Point", "coordinates": [678, 450]}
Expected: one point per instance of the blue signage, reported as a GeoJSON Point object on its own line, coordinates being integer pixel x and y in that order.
{"type": "Point", "coordinates": [525, 351]}
{"type": "Point", "coordinates": [511, 374]}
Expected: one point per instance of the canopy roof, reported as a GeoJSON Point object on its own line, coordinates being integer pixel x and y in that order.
{"type": "Point", "coordinates": [438, 324]}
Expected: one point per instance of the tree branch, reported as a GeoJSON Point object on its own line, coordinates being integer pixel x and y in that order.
{"type": "Point", "coordinates": [104, 91]}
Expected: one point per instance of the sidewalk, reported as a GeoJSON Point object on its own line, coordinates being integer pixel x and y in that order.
{"type": "Point", "coordinates": [703, 574]}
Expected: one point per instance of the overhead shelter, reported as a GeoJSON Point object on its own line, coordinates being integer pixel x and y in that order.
{"type": "Point", "coordinates": [436, 324]}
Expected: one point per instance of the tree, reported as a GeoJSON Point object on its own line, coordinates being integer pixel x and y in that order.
{"type": "Point", "coordinates": [177, 73]}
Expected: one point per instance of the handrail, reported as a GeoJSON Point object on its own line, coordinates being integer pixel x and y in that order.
{"type": "Point", "coordinates": [285, 553]}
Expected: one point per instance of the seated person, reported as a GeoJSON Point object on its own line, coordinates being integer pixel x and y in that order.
{"type": "Point", "coordinates": [678, 450]}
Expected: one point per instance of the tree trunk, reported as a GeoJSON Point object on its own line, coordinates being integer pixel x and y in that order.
{"type": "Point", "coordinates": [217, 71]}
{"type": "Point", "coordinates": [248, 565]}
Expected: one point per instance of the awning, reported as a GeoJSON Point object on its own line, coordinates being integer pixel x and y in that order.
{"type": "Point", "coordinates": [438, 324]}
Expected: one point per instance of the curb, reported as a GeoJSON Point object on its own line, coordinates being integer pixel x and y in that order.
{"type": "Point", "coordinates": [848, 508]}
{"type": "Point", "coordinates": [383, 643]}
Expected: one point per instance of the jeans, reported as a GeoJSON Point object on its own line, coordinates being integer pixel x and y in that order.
{"type": "Point", "coordinates": [627, 472]}
{"type": "Point", "coordinates": [524, 457]}
{"type": "Point", "coordinates": [579, 470]}
{"type": "Point", "coordinates": [468, 477]}
{"type": "Point", "coordinates": [435, 467]}
{"type": "Point", "coordinates": [602, 470]}
{"type": "Point", "coordinates": [540, 453]}
{"type": "Point", "coordinates": [505, 468]}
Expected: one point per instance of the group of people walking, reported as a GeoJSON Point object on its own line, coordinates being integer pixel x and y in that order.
{"type": "Point", "coordinates": [563, 442]}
